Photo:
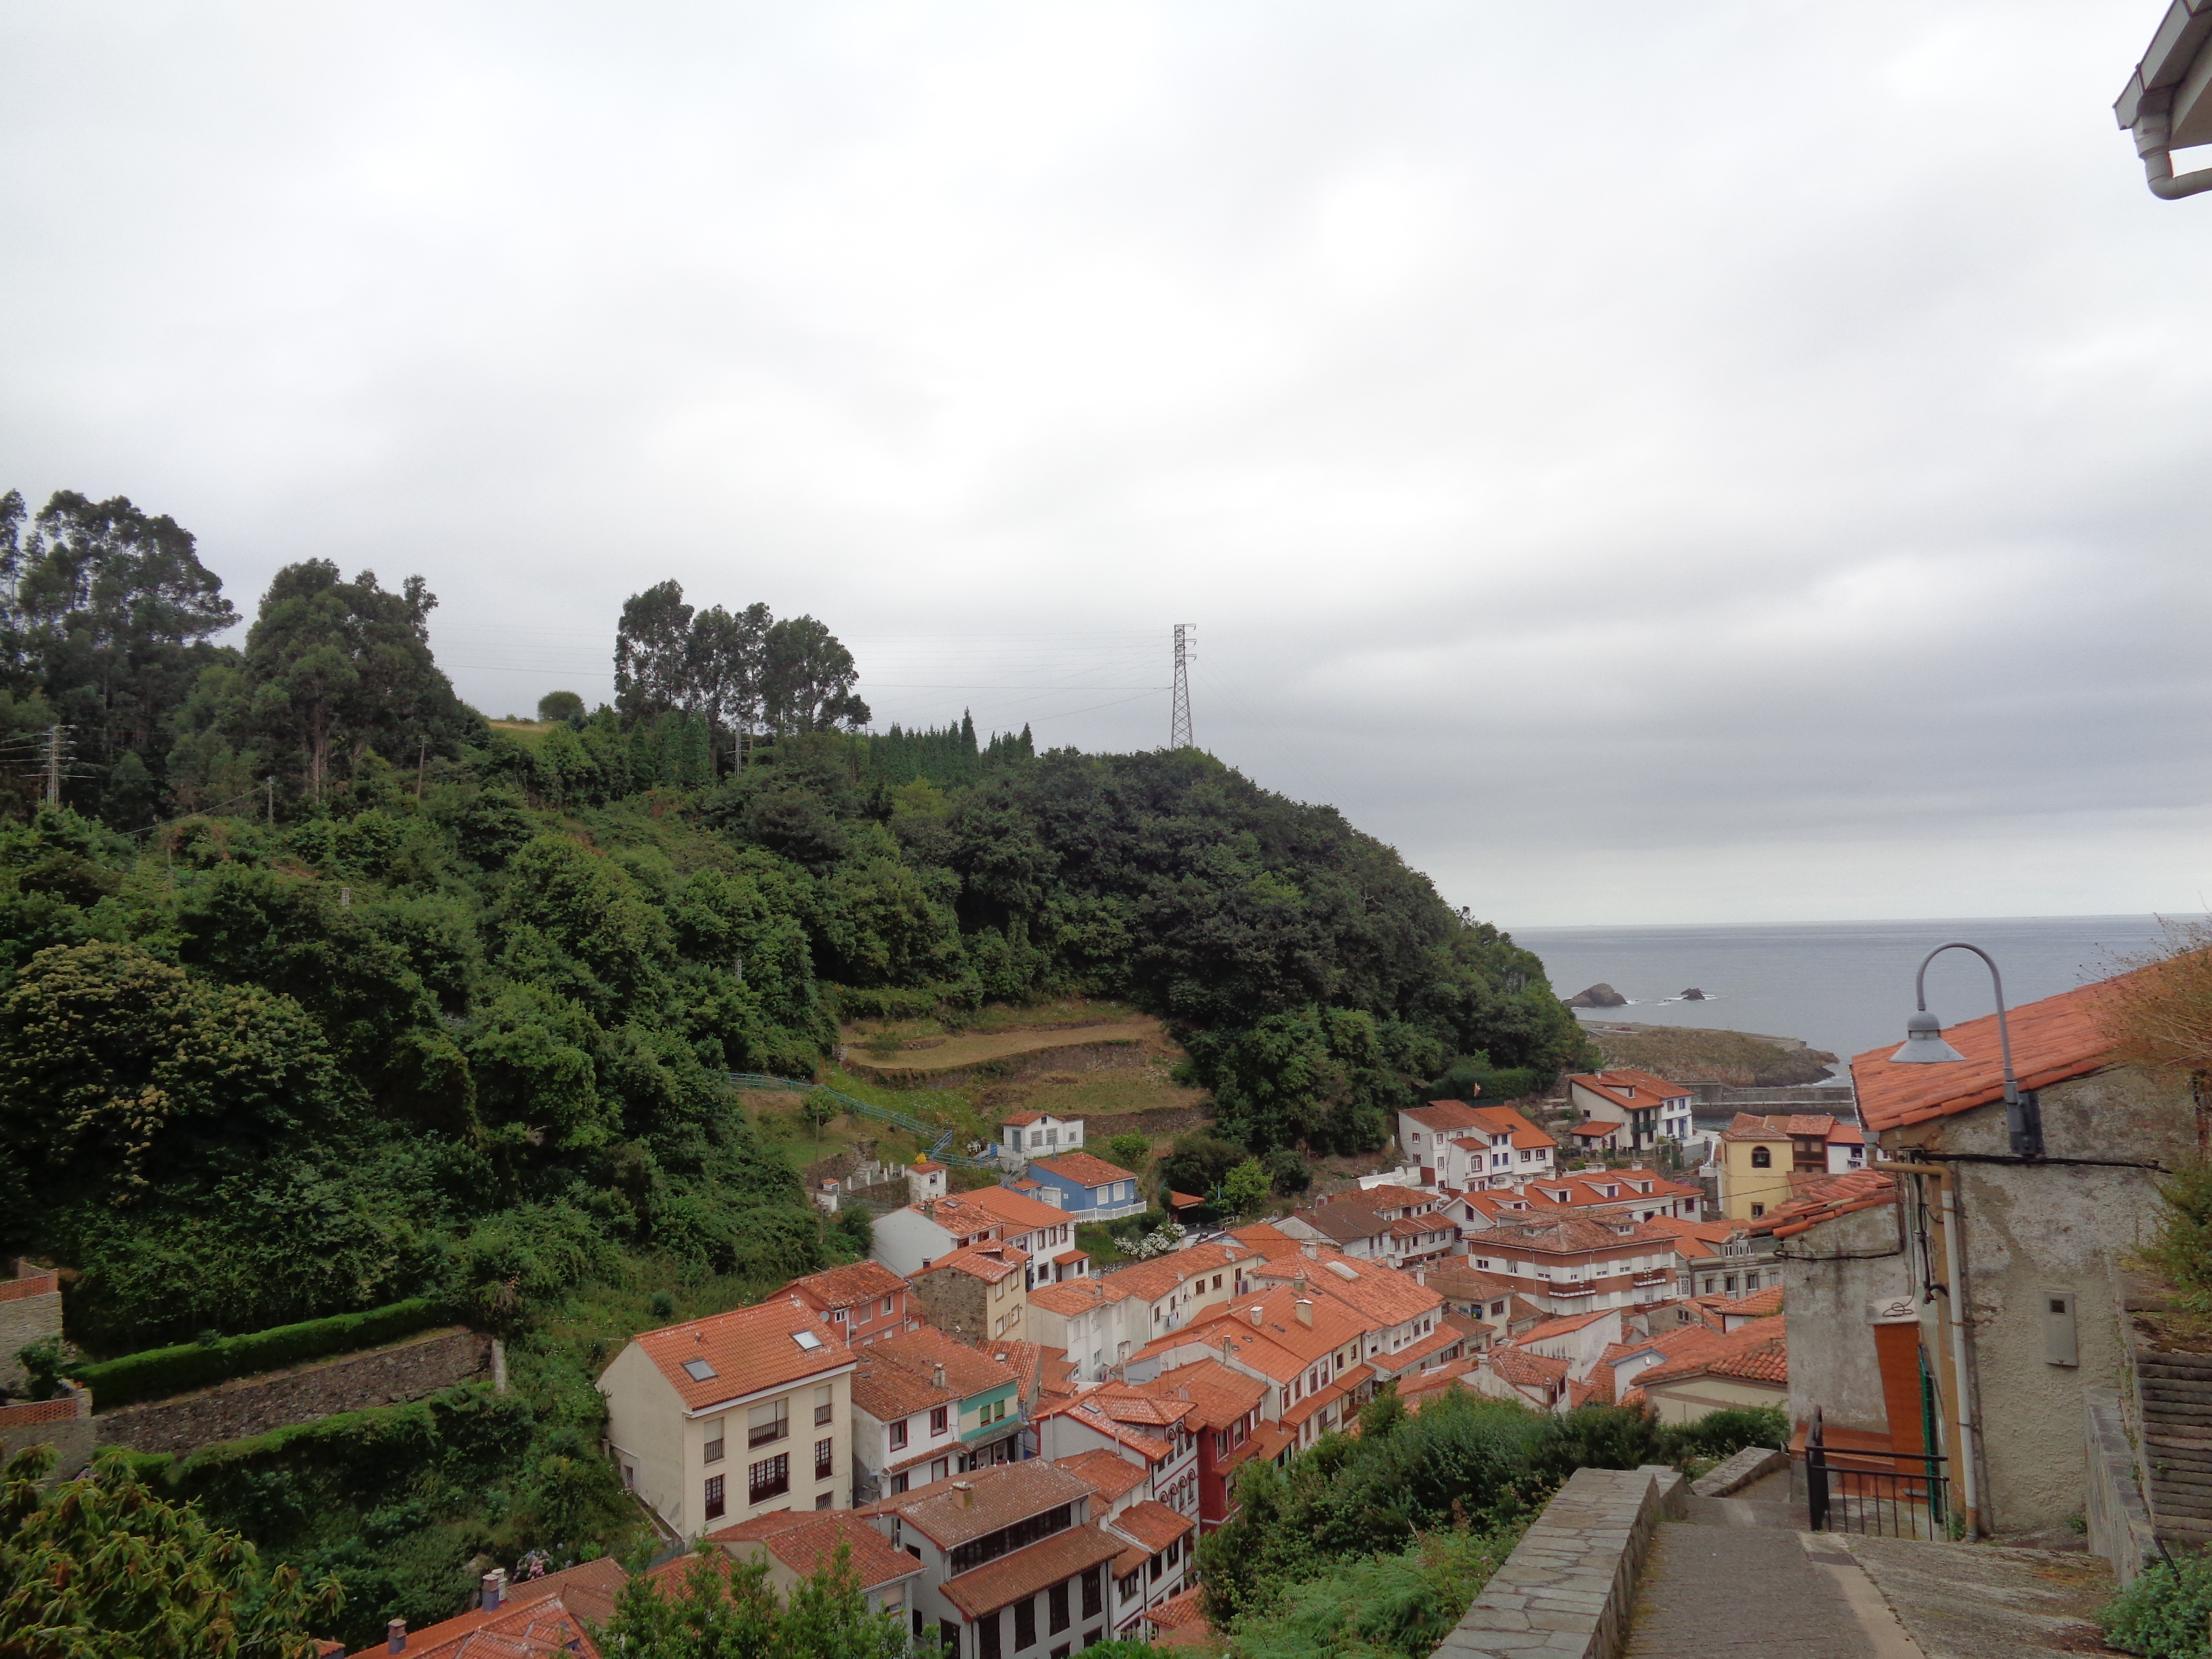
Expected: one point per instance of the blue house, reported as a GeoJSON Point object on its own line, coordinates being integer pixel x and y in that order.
{"type": "Point", "coordinates": [1089, 1188]}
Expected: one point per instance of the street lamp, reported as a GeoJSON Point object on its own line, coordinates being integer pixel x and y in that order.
{"type": "Point", "coordinates": [1924, 1046]}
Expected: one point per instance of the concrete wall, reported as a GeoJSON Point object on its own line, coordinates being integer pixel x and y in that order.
{"type": "Point", "coordinates": [1832, 1362]}
{"type": "Point", "coordinates": [1694, 1397]}
{"type": "Point", "coordinates": [2031, 1230]}
{"type": "Point", "coordinates": [2119, 1523]}
{"type": "Point", "coordinates": [256, 1405]}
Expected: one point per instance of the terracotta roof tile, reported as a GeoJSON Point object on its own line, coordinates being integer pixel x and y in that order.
{"type": "Point", "coordinates": [1020, 1212]}
{"type": "Point", "coordinates": [2052, 1040]}
{"type": "Point", "coordinates": [1112, 1476]}
{"type": "Point", "coordinates": [1153, 1448]}
{"type": "Point", "coordinates": [921, 1353]}
{"type": "Point", "coordinates": [1633, 1090]}
{"type": "Point", "coordinates": [1082, 1168]}
{"type": "Point", "coordinates": [997, 1496]}
{"type": "Point", "coordinates": [1155, 1279]}
{"type": "Point", "coordinates": [1759, 1352]}
{"type": "Point", "coordinates": [1217, 1394]}
{"type": "Point", "coordinates": [550, 1615]}
{"type": "Point", "coordinates": [727, 1356]}
{"type": "Point", "coordinates": [1526, 1369]}
{"type": "Point", "coordinates": [990, 1262]}
{"type": "Point", "coordinates": [1017, 1577]}
{"type": "Point", "coordinates": [1566, 1325]}
{"type": "Point", "coordinates": [1152, 1525]}
{"type": "Point", "coordinates": [1075, 1296]}
{"type": "Point", "coordinates": [1441, 1116]}
{"type": "Point", "coordinates": [806, 1540]}
{"type": "Point", "coordinates": [849, 1286]}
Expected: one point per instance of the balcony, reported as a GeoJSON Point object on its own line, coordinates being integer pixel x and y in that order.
{"type": "Point", "coordinates": [1571, 1290]}
{"type": "Point", "coordinates": [1656, 1276]}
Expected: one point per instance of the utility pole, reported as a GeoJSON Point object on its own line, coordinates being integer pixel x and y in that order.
{"type": "Point", "coordinates": [54, 764]}
{"type": "Point", "coordinates": [1179, 717]}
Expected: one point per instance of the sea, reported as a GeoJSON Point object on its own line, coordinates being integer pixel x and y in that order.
{"type": "Point", "coordinates": [1844, 987]}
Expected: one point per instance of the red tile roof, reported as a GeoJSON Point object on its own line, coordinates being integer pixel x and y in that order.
{"type": "Point", "coordinates": [1152, 1279]}
{"type": "Point", "coordinates": [1178, 1622]}
{"type": "Point", "coordinates": [991, 1262]}
{"type": "Point", "coordinates": [1155, 1526]}
{"type": "Point", "coordinates": [1113, 1477]}
{"type": "Point", "coordinates": [1825, 1198]}
{"type": "Point", "coordinates": [1566, 1325]}
{"type": "Point", "coordinates": [1071, 1297]}
{"type": "Point", "coordinates": [996, 1497]}
{"type": "Point", "coordinates": [552, 1615]}
{"type": "Point", "coordinates": [1017, 1577]}
{"type": "Point", "coordinates": [1526, 1369]}
{"type": "Point", "coordinates": [1217, 1395]}
{"type": "Point", "coordinates": [1759, 1352]}
{"type": "Point", "coordinates": [1021, 1213]}
{"type": "Point", "coordinates": [1631, 1090]}
{"type": "Point", "coordinates": [2052, 1040]}
{"type": "Point", "coordinates": [742, 1352]}
{"type": "Point", "coordinates": [1443, 1117]}
{"type": "Point", "coordinates": [849, 1286]}
{"type": "Point", "coordinates": [1082, 1168]}
{"type": "Point", "coordinates": [806, 1540]}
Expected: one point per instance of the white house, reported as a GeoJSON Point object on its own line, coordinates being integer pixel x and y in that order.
{"type": "Point", "coordinates": [718, 1420]}
{"type": "Point", "coordinates": [908, 1240]}
{"type": "Point", "coordinates": [1455, 1145]}
{"type": "Point", "coordinates": [1648, 1108]}
{"type": "Point", "coordinates": [1026, 1136]}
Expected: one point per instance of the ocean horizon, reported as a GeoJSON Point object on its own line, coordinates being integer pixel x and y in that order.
{"type": "Point", "coordinates": [1843, 987]}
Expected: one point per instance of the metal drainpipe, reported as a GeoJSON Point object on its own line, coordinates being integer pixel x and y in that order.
{"type": "Point", "coordinates": [1969, 1414]}
{"type": "Point", "coordinates": [2153, 132]}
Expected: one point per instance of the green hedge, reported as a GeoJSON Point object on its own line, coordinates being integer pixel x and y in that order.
{"type": "Point", "coordinates": [159, 1371]}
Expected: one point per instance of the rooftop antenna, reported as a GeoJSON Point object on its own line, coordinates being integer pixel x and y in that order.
{"type": "Point", "coordinates": [1179, 719]}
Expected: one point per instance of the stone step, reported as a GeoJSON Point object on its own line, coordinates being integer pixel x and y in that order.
{"type": "Point", "coordinates": [2189, 1389]}
{"type": "Point", "coordinates": [2167, 1437]}
{"type": "Point", "coordinates": [2172, 1364]}
{"type": "Point", "coordinates": [2177, 1416]}
{"type": "Point", "coordinates": [2167, 1501]}
{"type": "Point", "coordinates": [2180, 1474]}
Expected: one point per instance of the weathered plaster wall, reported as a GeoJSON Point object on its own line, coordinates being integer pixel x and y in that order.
{"type": "Point", "coordinates": [1832, 1363]}
{"type": "Point", "coordinates": [2031, 1230]}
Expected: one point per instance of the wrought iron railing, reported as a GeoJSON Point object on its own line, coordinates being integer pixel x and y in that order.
{"type": "Point", "coordinates": [1883, 1494]}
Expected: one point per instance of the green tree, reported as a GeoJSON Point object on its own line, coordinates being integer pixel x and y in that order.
{"type": "Point", "coordinates": [118, 1072]}
{"type": "Point", "coordinates": [1244, 1190]}
{"type": "Point", "coordinates": [333, 671]}
{"type": "Point", "coordinates": [106, 614]}
{"type": "Point", "coordinates": [1130, 1152]}
{"type": "Point", "coordinates": [102, 1568]}
{"type": "Point", "coordinates": [727, 1610]}
{"type": "Point", "coordinates": [560, 706]}
{"type": "Point", "coordinates": [1198, 1163]}
{"type": "Point", "coordinates": [807, 679]}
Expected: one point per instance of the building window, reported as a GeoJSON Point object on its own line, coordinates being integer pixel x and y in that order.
{"type": "Point", "coordinates": [824, 1466]}
{"type": "Point", "coordinates": [768, 1424]}
{"type": "Point", "coordinates": [1056, 1603]}
{"type": "Point", "coordinates": [825, 1405]}
{"type": "Point", "coordinates": [1025, 1623]}
{"type": "Point", "coordinates": [1757, 1210]}
{"type": "Point", "coordinates": [770, 1477]}
{"type": "Point", "coordinates": [898, 1481]}
{"type": "Point", "coordinates": [986, 1638]}
{"type": "Point", "coordinates": [714, 1445]}
{"type": "Point", "coordinates": [1761, 1159]}
{"type": "Point", "coordinates": [938, 1470]}
{"type": "Point", "coordinates": [897, 1434]}
{"type": "Point", "coordinates": [824, 1500]}
{"type": "Point", "coordinates": [1093, 1603]}
{"type": "Point", "coordinates": [937, 1420]}
{"type": "Point", "coordinates": [951, 1632]}
{"type": "Point", "coordinates": [715, 1503]}
{"type": "Point", "coordinates": [1129, 1588]}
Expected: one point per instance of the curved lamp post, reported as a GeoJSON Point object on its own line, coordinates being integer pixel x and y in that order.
{"type": "Point", "coordinates": [1924, 1046]}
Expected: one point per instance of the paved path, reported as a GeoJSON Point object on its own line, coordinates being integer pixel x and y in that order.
{"type": "Point", "coordinates": [1739, 1580]}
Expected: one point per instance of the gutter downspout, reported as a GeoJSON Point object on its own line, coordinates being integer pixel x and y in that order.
{"type": "Point", "coordinates": [2154, 132]}
{"type": "Point", "coordinates": [1968, 1414]}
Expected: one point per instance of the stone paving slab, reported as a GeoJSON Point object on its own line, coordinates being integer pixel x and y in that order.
{"type": "Point", "coordinates": [1981, 1601]}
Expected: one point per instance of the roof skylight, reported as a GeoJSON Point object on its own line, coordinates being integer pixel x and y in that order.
{"type": "Point", "coordinates": [806, 1340]}
{"type": "Point", "coordinates": [698, 1369]}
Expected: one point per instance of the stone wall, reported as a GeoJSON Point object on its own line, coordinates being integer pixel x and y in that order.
{"type": "Point", "coordinates": [1567, 1590]}
{"type": "Point", "coordinates": [2119, 1523]}
{"type": "Point", "coordinates": [65, 1424]}
{"type": "Point", "coordinates": [30, 1311]}
{"type": "Point", "coordinates": [249, 1406]}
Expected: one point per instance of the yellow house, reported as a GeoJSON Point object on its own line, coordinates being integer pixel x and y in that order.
{"type": "Point", "coordinates": [733, 1416]}
{"type": "Point", "coordinates": [1756, 1156]}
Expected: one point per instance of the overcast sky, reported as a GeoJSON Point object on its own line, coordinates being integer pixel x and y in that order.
{"type": "Point", "coordinates": [1690, 462]}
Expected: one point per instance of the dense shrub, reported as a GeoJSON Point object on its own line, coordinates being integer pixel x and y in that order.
{"type": "Point", "coordinates": [1401, 1604]}
{"type": "Point", "coordinates": [159, 1371]}
{"type": "Point", "coordinates": [2164, 1613]}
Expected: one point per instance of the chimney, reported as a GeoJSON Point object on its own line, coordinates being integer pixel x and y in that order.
{"type": "Point", "coordinates": [494, 1588]}
{"type": "Point", "coordinates": [395, 1637]}
{"type": "Point", "coordinates": [1312, 1248]}
{"type": "Point", "coordinates": [937, 1378]}
{"type": "Point", "coordinates": [967, 1494]}
{"type": "Point", "coordinates": [1305, 1311]}
{"type": "Point", "coordinates": [1257, 1314]}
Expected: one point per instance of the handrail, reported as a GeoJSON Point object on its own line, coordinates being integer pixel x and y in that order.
{"type": "Point", "coordinates": [940, 1133]}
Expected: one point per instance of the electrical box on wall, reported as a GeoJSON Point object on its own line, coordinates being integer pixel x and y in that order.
{"type": "Point", "coordinates": [2060, 1347]}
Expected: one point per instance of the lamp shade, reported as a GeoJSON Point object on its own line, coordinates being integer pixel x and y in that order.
{"type": "Point", "coordinates": [1923, 1042]}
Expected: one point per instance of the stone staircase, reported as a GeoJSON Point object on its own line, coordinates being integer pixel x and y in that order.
{"type": "Point", "coordinates": [2173, 1395]}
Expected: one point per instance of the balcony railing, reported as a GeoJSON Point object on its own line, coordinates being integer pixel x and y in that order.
{"type": "Point", "coordinates": [1571, 1290]}
{"type": "Point", "coordinates": [1657, 1276]}
{"type": "Point", "coordinates": [1883, 1494]}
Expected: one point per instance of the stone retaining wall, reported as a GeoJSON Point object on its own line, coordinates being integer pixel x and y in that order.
{"type": "Point", "coordinates": [249, 1406]}
{"type": "Point", "coordinates": [2119, 1524]}
{"type": "Point", "coordinates": [65, 1423]}
{"type": "Point", "coordinates": [1567, 1590]}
